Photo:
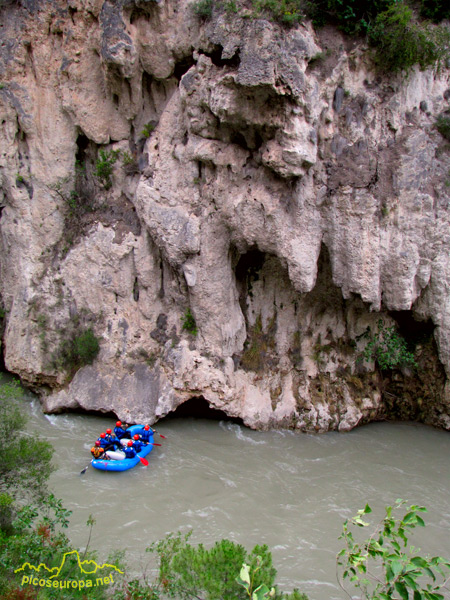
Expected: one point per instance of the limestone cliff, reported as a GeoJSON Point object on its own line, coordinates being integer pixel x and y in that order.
{"type": "Point", "coordinates": [264, 180]}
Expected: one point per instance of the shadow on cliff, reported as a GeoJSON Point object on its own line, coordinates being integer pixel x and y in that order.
{"type": "Point", "coordinates": [199, 408]}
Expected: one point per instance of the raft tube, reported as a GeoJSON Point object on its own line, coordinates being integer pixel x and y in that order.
{"type": "Point", "coordinates": [126, 463]}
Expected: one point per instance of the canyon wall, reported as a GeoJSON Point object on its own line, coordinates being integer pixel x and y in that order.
{"type": "Point", "coordinates": [230, 206]}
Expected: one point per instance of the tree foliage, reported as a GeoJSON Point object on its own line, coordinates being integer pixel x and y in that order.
{"type": "Point", "coordinates": [187, 572]}
{"type": "Point", "coordinates": [38, 537]}
{"type": "Point", "coordinates": [32, 521]}
{"type": "Point", "coordinates": [401, 42]}
{"type": "Point", "coordinates": [384, 567]}
{"type": "Point", "coordinates": [25, 460]}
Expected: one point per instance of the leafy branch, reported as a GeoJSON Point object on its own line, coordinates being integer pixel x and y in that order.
{"type": "Point", "coordinates": [398, 570]}
{"type": "Point", "coordinates": [388, 348]}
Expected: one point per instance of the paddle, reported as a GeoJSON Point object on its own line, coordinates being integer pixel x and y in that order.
{"type": "Point", "coordinates": [84, 470]}
{"type": "Point", "coordinates": [160, 434]}
{"type": "Point", "coordinates": [144, 461]}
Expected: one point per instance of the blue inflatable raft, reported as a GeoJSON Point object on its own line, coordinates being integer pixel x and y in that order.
{"type": "Point", "coordinates": [126, 463]}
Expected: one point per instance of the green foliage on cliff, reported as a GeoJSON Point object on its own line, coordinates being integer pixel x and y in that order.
{"type": "Point", "coordinates": [104, 166]}
{"type": "Point", "coordinates": [148, 129]}
{"type": "Point", "coordinates": [398, 38]}
{"type": "Point", "coordinates": [388, 348]}
{"type": "Point", "coordinates": [288, 12]}
{"type": "Point", "coordinates": [203, 8]}
{"type": "Point", "coordinates": [354, 17]}
{"type": "Point", "coordinates": [400, 42]}
{"type": "Point", "coordinates": [443, 125]}
{"type": "Point", "coordinates": [78, 349]}
{"type": "Point", "coordinates": [188, 322]}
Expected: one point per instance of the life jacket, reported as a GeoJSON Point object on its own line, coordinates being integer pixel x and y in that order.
{"type": "Point", "coordinates": [130, 452]}
{"type": "Point", "coordinates": [137, 445]}
{"type": "Point", "coordinates": [146, 436]}
{"type": "Point", "coordinates": [104, 443]}
{"type": "Point", "coordinates": [96, 452]}
{"type": "Point", "coordinates": [119, 432]}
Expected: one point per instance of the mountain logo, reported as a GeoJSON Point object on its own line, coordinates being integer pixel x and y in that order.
{"type": "Point", "coordinates": [44, 576]}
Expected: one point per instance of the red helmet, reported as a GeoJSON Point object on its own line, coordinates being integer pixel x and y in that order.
{"type": "Point", "coordinates": [119, 424]}
{"type": "Point", "coordinates": [130, 443]}
{"type": "Point", "coordinates": [109, 431]}
{"type": "Point", "coordinates": [147, 427]}
{"type": "Point", "coordinates": [97, 443]}
{"type": "Point", "coordinates": [135, 437]}
{"type": "Point", "coordinates": [102, 435]}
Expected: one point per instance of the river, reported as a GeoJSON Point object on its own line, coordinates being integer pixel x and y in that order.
{"type": "Point", "coordinates": [288, 490]}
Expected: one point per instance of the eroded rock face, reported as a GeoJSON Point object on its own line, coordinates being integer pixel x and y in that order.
{"type": "Point", "coordinates": [288, 202]}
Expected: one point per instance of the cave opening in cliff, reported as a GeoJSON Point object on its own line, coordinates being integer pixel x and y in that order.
{"type": "Point", "coordinates": [183, 65]}
{"type": "Point", "coordinates": [247, 270]}
{"type": "Point", "coordinates": [82, 145]}
{"type": "Point", "coordinates": [414, 332]}
{"type": "Point", "coordinates": [216, 57]}
{"type": "Point", "coordinates": [198, 407]}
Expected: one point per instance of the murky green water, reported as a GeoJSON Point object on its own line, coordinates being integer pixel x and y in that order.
{"type": "Point", "coordinates": [290, 491]}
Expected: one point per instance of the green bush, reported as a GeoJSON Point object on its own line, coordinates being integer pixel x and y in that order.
{"type": "Point", "coordinates": [388, 348]}
{"type": "Point", "coordinates": [186, 571]}
{"type": "Point", "coordinates": [443, 125]}
{"type": "Point", "coordinates": [31, 532]}
{"type": "Point", "coordinates": [77, 350]}
{"type": "Point", "coordinates": [288, 12]}
{"type": "Point", "coordinates": [354, 16]}
{"type": "Point", "coordinates": [188, 322]}
{"type": "Point", "coordinates": [104, 166]}
{"type": "Point", "coordinates": [148, 129]}
{"type": "Point", "coordinates": [400, 42]}
{"type": "Point", "coordinates": [203, 8]}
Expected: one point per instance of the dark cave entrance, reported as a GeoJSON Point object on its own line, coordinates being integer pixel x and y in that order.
{"type": "Point", "coordinates": [199, 408]}
{"type": "Point", "coordinates": [414, 332]}
{"type": "Point", "coordinates": [249, 264]}
{"type": "Point", "coordinates": [247, 269]}
{"type": "Point", "coordinates": [82, 146]}
{"type": "Point", "coordinates": [415, 395]}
